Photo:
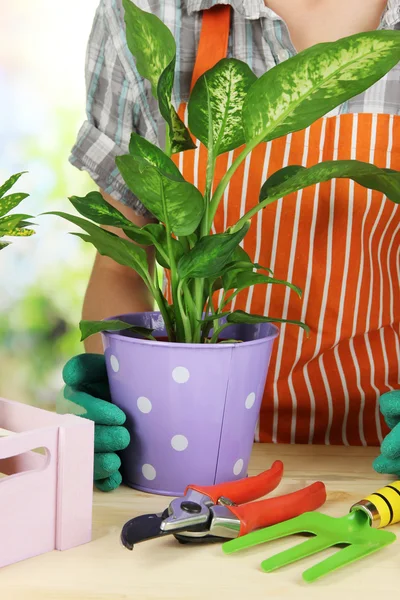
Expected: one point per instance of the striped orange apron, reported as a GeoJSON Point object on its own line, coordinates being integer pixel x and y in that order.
{"type": "Point", "coordinates": [340, 244]}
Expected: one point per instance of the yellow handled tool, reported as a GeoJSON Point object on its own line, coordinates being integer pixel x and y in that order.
{"type": "Point", "coordinates": [360, 530]}
{"type": "Point", "coordinates": [382, 507]}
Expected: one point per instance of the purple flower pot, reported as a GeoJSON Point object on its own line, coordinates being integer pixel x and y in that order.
{"type": "Point", "coordinates": [191, 409]}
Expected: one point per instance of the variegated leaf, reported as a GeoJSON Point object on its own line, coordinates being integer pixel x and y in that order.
{"type": "Point", "coordinates": [9, 183]}
{"type": "Point", "coordinates": [179, 135]}
{"type": "Point", "coordinates": [7, 203]}
{"type": "Point", "coordinates": [383, 180]}
{"type": "Point", "coordinates": [178, 204]}
{"type": "Point", "coordinates": [216, 103]}
{"type": "Point", "coordinates": [18, 232]}
{"type": "Point", "coordinates": [297, 92]}
{"type": "Point", "coordinates": [12, 221]}
{"type": "Point", "coordinates": [150, 41]}
{"type": "Point", "coordinates": [142, 148]}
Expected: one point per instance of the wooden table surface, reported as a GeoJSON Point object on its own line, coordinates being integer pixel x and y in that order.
{"type": "Point", "coordinates": [164, 569]}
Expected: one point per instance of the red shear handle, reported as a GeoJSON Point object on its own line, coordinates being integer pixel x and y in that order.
{"type": "Point", "coordinates": [244, 490]}
{"type": "Point", "coordinates": [257, 515]}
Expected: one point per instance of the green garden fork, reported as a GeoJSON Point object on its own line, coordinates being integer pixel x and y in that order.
{"type": "Point", "coordinates": [360, 531]}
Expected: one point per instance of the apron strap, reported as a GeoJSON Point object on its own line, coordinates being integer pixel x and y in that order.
{"type": "Point", "coordinates": [213, 43]}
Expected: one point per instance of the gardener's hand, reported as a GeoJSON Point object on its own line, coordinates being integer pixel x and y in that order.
{"type": "Point", "coordinates": [389, 459]}
{"type": "Point", "coordinates": [87, 394]}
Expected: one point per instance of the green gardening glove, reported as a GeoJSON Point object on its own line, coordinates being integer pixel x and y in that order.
{"type": "Point", "coordinates": [87, 394]}
{"type": "Point", "coordinates": [389, 459]}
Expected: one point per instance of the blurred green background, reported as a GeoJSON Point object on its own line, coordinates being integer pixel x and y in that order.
{"type": "Point", "coordinates": [43, 278]}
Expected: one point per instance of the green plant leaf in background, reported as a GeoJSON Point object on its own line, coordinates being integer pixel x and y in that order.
{"type": "Point", "coordinates": [7, 203]}
{"type": "Point", "coordinates": [12, 221]}
{"type": "Point", "coordinates": [89, 328]}
{"type": "Point", "coordinates": [153, 45]}
{"type": "Point", "coordinates": [176, 203]}
{"type": "Point", "coordinates": [216, 103]}
{"type": "Point", "coordinates": [10, 183]}
{"type": "Point", "coordinates": [14, 225]}
{"type": "Point", "coordinates": [210, 254]}
{"type": "Point", "coordinates": [386, 181]}
{"type": "Point", "coordinates": [297, 92]}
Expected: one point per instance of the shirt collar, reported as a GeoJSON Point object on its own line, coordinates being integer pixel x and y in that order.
{"type": "Point", "coordinates": [250, 9]}
{"type": "Point", "coordinates": [255, 9]}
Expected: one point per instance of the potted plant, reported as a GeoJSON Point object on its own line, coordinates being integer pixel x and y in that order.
{"type": "Point", "coordinates": [12, 225]}
{"type": "Point", "coordinates": [190, 376]}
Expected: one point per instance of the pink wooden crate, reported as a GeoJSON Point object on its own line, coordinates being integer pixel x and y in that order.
{"type": "Point", "coordinates": [46, 498]}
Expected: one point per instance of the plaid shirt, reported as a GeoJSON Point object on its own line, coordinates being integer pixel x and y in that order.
{"type": "Point", "coordinates": [119, 100]}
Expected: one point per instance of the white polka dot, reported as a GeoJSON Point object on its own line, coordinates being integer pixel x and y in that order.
{"type": "Point", "coordinates": [237, 469]}
{"type": "Point", "coordinates": [180, 374]}
{"type": "Point", "coordinates": [179, 442]}
{"type": "Point", "coordinates": [144, 405]}
{"type": "Point", "coordinates": [251, 398]}
{"type": "Point", "coordinates": [149, 472]}
{"type": "Point", "coordinates": [114, 363]}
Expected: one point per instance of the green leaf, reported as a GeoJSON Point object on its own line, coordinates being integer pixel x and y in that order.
{"type": "Point", "coordinates": [3, 244]}
{"type": "Point", "coordinates": [150, 42]}
{"type": "Point", "coordinates": [7, 203]}
{"type": "Point", "coordinates": [298, 91]}
{"type": "Point", "coordinates": [9, 183]}
{"type": "Point", "coordinates": [18, 232]}
{"type": "Point", "coordinates": [280, 177]}
{"type": "Point", "coordinates": [210, 254]}
{"type": "Point", "coordinates": [89, 328]}
{"type": "Point", "coordinates": [178, 203]}
{"type": "Point", "coordinates": [139, 147]}
{"type": "Point", "coordinates": [240, 280]}
{"type": "Point", "coordinates": [12, 221]}
{"type": "Point", "coordinates": [239, 317]}
{"type": "Point", "coordinates": [178, 134]}
{"type": "Point", "coordinates": [216, 103]}
{"type": "Point", "coordinates": [386, 181]}
{"type": "Point", "coordinates": [108, 244]}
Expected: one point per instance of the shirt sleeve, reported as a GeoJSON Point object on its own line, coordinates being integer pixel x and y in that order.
{"type": "Point", "coordinates": [110, 110]}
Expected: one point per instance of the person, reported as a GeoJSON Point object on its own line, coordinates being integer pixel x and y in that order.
{"type": "Point", "coordinates": [338, 242]}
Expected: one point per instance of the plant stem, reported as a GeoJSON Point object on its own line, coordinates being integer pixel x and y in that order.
{"type": "Point", "coordinates": [184, 243]}
{"type": "Point", "coordinates": [174, 274]}
{"type": "Point", "coordinates": [162, 303]}
{"type": "Point", "coordinates": [254, 211]}
{"type": "Point", "coordinates": [185, 318]}
{"type": "Point", "coordinates": [225, 180]}
{"type": "Point", "coordinates": [217, 332]}
{"type": "Point", "coordinates": [167, 150]}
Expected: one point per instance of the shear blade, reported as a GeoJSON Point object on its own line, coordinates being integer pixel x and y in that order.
{"type": "Point", "coordinates": [142, 528]}
{"type": "Point", "coordinates": [148, 527]}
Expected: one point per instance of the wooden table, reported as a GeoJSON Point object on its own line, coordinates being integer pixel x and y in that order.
{"type": "Point", "coordinates": [164, 569]}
